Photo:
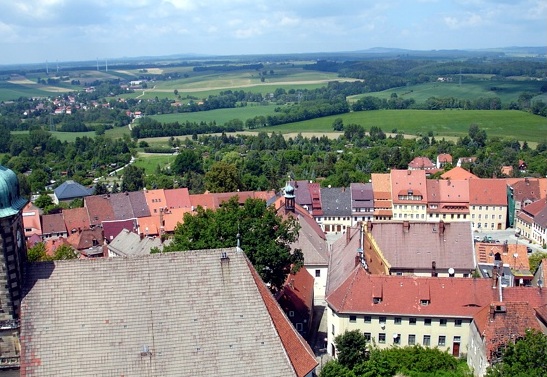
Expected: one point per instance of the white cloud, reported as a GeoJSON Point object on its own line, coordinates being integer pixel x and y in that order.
{"type": "Point", "coordinates": [469, 20]}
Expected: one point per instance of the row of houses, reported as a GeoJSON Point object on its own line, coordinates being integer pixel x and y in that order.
{"type": "Point", "coordinates": [408, 195]}
{"type": "Point", "coordinates": [429, 283]}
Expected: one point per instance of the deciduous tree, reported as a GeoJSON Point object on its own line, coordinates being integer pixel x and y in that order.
{"type": "Point", "coordinates": [265, 236]}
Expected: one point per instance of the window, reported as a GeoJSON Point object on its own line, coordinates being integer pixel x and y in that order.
{"type": "Point", "coordinates": [411, 339]}
{"type": "Point", "coordinates": [442, 340]}
{"type": "Point", "coordinates": [291, 313]}
{"type": "Point", "coordinates": [458, 323]}
{"type": "Point", "coordinates": [332, 330]}
{"type": "Point", "coordinates": [412, 321]}
{"type": "Point", "coordinates": [352, 318]}
{"type": "Point", "coordinates": [368, 319]}
{"type": "Point", "coordinates": [424, 302]}
{"type": "Point", "coordinates": [382, 320]}
{"type": "Point", "coordinates": [317, 273]}
{"type": "Point", "coordinates": [382, 337]}
{"type": "Point", "coordinates": [299, 327]}
{"type": "Point", "coordinates": [367, 336]}
{"type": "Point", "coordinates": [427, 321]}
{"type": "Point", "coordinates": [377, 300]}
{"type": "Point", "coordinates": [427, 340]}
{"type": "Point", "coordinates": [396, 339]}
{"type": "Point", "coordinates": [442, 321]}
{"type": "Point", "coordinates": [398, 320]}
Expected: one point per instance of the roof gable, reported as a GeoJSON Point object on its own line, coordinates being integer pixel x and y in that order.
{"type": "Point", "coordinates": [458, 173]}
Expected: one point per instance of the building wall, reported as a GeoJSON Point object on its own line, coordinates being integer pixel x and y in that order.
{"type": "Point", "coordinates": [409, 211]}
{"type": "Point", "coordinates": [487, 218]}
{"type": "Point", "coordinates": [382, 329]}
{"type": "Point", "coordinates": [335, 224]}
{"type": "Point", "coordinates": [476, 357]}
{"type": "Point", "coordinates": [448, 217]}
{"type": "Point", "coordinates": [319, 274]}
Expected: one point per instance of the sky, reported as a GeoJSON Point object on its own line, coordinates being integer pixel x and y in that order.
{"type": "Point", "coordinates": [34, 31]}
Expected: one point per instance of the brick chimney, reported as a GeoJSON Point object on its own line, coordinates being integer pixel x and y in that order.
{"type": "Point", "coordinates": [406, 226]}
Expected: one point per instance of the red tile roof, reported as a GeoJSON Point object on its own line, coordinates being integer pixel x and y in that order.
{"type": "Point", "coordinates": [458, 173]}
{"type": "Point", "coordinates": [421, 163]}
{"type": "Point", "coordinates": [299, 352]}
{"type": "Point", "coordinates": [486, 253]}
{"type": "Point", "coordinates": [31, 220]}
{"type": "Point", "coordinates": [76, 218]}
{"type": "Point", "coordinates": [533, 295]}
{"type": "Point", "coordinates": [99, 209]}
{"type": "Point", "coordinates": [450, 195]}
{"type": "Point", "coordinates": [86, 238]}
{"type": "Point", "coordinates": [405, 181]}
{"type": "Point", "coordinates": [454, 297]}
{"type": "Point", "coordinates": [178, 198]}
{"type": "Point", "coordinates": [53, 223]}
{"type": "Point", "coordinates": [487, 192]}
{"type": "Point", "coordinates": [156, 201]}
{"type": "Point", "coordinates": [501, 322]}
{"type": "Point", "coordinates": [298, 291]}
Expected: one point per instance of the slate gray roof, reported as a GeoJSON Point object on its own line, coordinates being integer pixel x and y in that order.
{"type": "Point", "coordinates": [71, 190]}
{"type": "Point", "coordinates": [169, 314]}
{"type": "Point", "coordinates": [138, 204]}
{"type": "Point", "coordinates": [342, 257]}
{"type": "Point", "coordinates": [312, 242]}
{"type": "Point", "coordinates": [336, 201]}
{"type": "Point", "coordinates": [129, 244]}
{"type": "Point", "coordinates": [121, 206]}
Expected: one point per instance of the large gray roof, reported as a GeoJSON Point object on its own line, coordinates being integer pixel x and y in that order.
{"type": "Point", "coordinates": [71, 190]}
{"type": "Point", "coordinates": [171, 314]}
{"type": "Point", "coordinates": [336, 201]}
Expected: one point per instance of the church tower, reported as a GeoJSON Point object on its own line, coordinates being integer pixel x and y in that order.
{"type": "Point", "coordinates": [12, 246]}
{"type": "Point", "coordinates": [289, 197]}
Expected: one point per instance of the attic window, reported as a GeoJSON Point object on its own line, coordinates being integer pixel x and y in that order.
{"type": "Point", "coordinates": [424, 302]}
{"type": "Point", "coordinates": [376, 300]}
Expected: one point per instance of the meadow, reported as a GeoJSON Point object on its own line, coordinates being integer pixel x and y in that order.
{"type": "Point", "coordinates": [220, 116]}
{"type": "Point", "coordinates": [470, 89]}
{"type": "Point", "coordinates": [501, 123]}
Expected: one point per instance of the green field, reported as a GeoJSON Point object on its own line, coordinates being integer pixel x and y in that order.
{"type": "Point", "coordinates": [506, 90]}
{"type": "Point", "coordinates": [502, 123]}
{"type": "Point", "coordinates": [10, 91]}
{"type": "Point", "coordinates": [150, 162]}
{"type": "Point", "coordinates": [220, 116]}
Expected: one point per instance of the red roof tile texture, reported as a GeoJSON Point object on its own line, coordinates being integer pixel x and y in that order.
{"type": "Point", "coordinates": [299, 352]}
{"type": "Point", "coordinates": [458, 173]}
{"type": "Point", "coordinates": [455, 297]}
{"type": "Point", "coordinates": [487, 192]}
{"type": "Point", "coordinates": [501, 322]}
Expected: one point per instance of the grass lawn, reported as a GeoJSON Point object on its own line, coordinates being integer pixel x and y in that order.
{"type": "Point", "coordinates": [150, 162]}
{"type": "Point", "coordinates": [506, 90]}
{"type": "Point", "coordinates": [220, 116]}
{"type": "Point", "coordinates": [502, 123]}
